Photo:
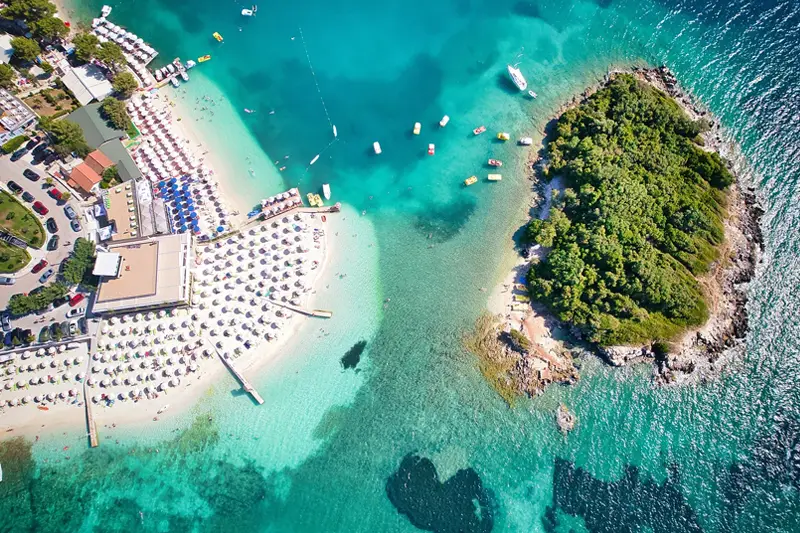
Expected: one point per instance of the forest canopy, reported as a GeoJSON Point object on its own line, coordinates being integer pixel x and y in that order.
{"type": "Point", "coordinates": [641, 216]}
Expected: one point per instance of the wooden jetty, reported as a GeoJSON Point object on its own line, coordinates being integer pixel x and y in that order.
{"type": "Point", "coordinates": [90, 423]}
{"type": "Point", "coordinates": [243, 380]}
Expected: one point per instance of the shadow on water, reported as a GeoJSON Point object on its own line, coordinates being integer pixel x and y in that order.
{"type": "Point", "coordinates": [353, 355]}
{"type": "Point", "coordinates": [504, 83]}
{"type": "Point", "coordinates": [527, 9]}
{"type": "Point", "coordinates": [459, 505]}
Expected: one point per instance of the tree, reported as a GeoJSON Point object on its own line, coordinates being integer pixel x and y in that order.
{"type": "Point", "coordinates": [114, 111]}
{"type": "Point", "coordinates": [29, 10]}
{"type": "Point", "coordinates": [7, 76]}
{"type": "Point", "coordinates": [68, 136]}
{"type": "Point", "coordinates": [25, 49]}
{"type": "Point", "coordinates": [85, 46]}
{"type": "Point", "coordinates": [125, 83]}
{"type": "Point", "coordinates": [65, 195]}
{"type": "Point", "coordinates": [110, 54]}
{"type": "Point", "coordinates": [78, 267]}
{"type": "Point", "coordinates": [50, 29]}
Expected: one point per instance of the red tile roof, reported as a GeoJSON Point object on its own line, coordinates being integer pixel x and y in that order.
{"type": "Point", "coordinates": [98, 161]}
{"type": "Point", "coordinates": [85, 177]}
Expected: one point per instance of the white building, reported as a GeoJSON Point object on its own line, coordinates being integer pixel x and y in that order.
{"type": "Point", "coordinates": [87, 82]}
{"type": "Point", "coordinates": [15, 116]}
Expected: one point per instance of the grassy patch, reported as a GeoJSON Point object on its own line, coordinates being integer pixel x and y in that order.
{"type": "Point", "coordinates": [12, 259]}
{"type": "Point", "coordinates": [51, 102]}
{"type": "Point", "coordinates": [20, 221]}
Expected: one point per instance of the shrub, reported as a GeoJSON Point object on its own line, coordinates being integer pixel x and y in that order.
{"type": "Point", "coordinates": [14, 144]}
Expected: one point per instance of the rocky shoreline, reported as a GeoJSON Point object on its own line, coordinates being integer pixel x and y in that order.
{"type": "Point", "coordinates": [701, 352]}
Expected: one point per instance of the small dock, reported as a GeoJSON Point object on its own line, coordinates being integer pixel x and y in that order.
{"type": "Point", "coordinates": [242, 380]}
{"type": "Point", "coordinates": [90, 423]}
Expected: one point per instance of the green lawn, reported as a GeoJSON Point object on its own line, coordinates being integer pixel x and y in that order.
{"type": "Point", "coordinates": [20, 221]}
{"type": "Point", "coordinates": [12, 258]}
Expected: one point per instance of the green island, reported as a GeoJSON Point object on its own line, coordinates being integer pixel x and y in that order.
{"type": "Point", "coordinates": [639, 221]}
{"type": "Point", "coordinates": [19, 221]}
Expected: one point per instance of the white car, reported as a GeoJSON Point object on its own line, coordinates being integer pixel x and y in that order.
{"type": "Point", "coordinates": [76, 311]}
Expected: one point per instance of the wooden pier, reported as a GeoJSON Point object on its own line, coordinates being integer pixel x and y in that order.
{"type": "Point", "coordinates": [90, 423]}
{"type": "Point", "coordinates": [243, 380]}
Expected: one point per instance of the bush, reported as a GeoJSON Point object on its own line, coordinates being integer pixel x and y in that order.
{"type": "Point", "coordinates": [124, 83]}
{"type": "Point", "coordinates": [13, 145]}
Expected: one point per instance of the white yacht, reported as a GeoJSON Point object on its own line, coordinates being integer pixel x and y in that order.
{"type": "Point", "coordinates": [517, 77]}
{"type": "Point", "coordinates": [326, 191]}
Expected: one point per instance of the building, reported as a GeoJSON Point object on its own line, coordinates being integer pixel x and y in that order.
{"type": "Point", "coordinates": [96, 129]}
{"type": "Point", "coordinates": [122, 213]}
{"type": "Point", "coordinates": [16, 117]}
{"type": "Point", "coordinates": [87, 175]}
{"type": "Point", "coordinates": [144, 274]}
{"type": "Point", "coordinates": [87, 82]}
{"type": "Point", "coordinates": [119, 156]}
{"type": "Point", "coordinates": [6, 50]}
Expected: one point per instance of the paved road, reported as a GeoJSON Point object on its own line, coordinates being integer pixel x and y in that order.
{"type": "Point", "coordinates": [26, 281]}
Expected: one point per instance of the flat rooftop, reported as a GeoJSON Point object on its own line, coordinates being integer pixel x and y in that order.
{"type": "Point", "coordinates": [121, 207]}
{"type": "Point", "coordinates": [154, 273]}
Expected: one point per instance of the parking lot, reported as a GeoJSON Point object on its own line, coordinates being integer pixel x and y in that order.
{"type": "Point", "coordinates": [25, 279]}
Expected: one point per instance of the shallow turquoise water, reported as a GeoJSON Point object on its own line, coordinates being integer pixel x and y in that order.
{"type": "Point", "coordinates": [317, 456]}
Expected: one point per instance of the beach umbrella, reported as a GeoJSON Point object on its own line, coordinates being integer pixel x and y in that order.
{"type": "Point", "coordinates": [37, 399]}
{"type": "Point", "coordinates": [50, 396]}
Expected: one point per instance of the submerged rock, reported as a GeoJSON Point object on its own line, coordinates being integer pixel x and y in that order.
{"type": "Point", "coordinates": [565, 419]}
{"type": "Point", "coordinates": [353, 355]}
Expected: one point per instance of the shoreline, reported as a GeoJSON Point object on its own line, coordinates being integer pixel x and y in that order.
{"type": "Point", "coordinates": [701, 351]}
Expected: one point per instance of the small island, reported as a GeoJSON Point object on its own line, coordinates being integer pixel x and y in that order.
{"type": "Point", "coordinates": [644, 238]}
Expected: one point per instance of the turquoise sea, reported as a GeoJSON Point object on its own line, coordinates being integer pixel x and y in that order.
{"type": "Point", "coordinates": [413, 439]}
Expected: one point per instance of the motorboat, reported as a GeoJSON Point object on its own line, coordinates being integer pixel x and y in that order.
{"type": "Point", "coordinates": [444, 121]}
{"type": "Point", "coordinates": [314, 160]}
{"type": "Point", "coordinates": [171, 68]}
{"type": "Point", "coordinates": [326, 191]}
{"type": "Point", "coordinates": [431, 149]}
{"type": "Point", "coordinates": [377, 147]}
{"type": "Point", "coordinates": [217, 36]}
{"type": "Point", "coordinates": [247, 12]}
{"type": "Point", "coordinates": [190, 64]}
{"type": "Point", "coordinates": [470, 180]}
{"type": "Point", "coordinates": [503, 136]}
{"type": "Point", "coordinates": [335, 133]}
{"type": "Point", "coordinates": [106, 11]}
{"type": "Point", "coordinates": [517, 77]}
{"type": "Point", "coordinates": [312, 201]}
{"type": "Point", "coordinates": [525, 141]}
{"type": "Point", "coordinates": [159, 75]}
{"type": "Point", "coordinates": [318, 200]}
{"type": "Point", "coordinates": [203, 59]}
{"type": "Point", "coordinates": [175, 83]}
{"type": "Point", "coordinates": [248, 111]}
{"type": "Point", "coordinates": [495, 163]}
{"type": "Point", "coordinates": [532, 94]}
{"type": "Point", "coordinates": [495, 177]}
{"type": "Point", "coordinates": [184, 75]}
{"type": "Point", "coordinates": [479, 130]}
{"type": "Point", "coordinates": [417, 128]}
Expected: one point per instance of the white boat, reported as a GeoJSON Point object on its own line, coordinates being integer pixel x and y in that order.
{"type": "Point", "coordinates": [1, 473]}
{"type": "Point", "coordinates": [314, 160]}
{"type": "Point", "coordinates": [335, 133]}
{"type": "Point", "coordinates": [377, 147]}
{"type": "Point", "coordinates": [248, 111]}
{"type": "Point", "coordinates": [190, 64]}
{"type": "Point", "coordinates": [247, 12]}
{"type": "Point", "coordinates": [184, 75]}
{"type": "Point", "coordinates": [532, 94]}
{"type": "Point", "coordinates": [171, 68]}
{"type": "Point", "coordinates": [175, 83]}
{"type": "Point", "coordinates": [444, 121]}
{"type": "Point", "coordinates": [417, 128]}
{"type": "Point", "coordinates": [326, 191]}
{"type": "Point", "coordinates": [159, 76]}
{"type": "Point", "coordinates": [517, 77]}
{"type": "Point", "coordinates": [525, 141]}
{"type": "Point", "coordinates": [106, 11]}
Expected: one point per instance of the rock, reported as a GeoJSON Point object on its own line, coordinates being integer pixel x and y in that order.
{"type": "Point", "coordinates": [565, 419]}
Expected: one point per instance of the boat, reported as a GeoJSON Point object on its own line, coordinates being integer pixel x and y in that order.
{"type": "Point", "coordinates": [247, 12]}
{"type": "Point", "coordinates": [495, 163]}
{"type": "Point", "coordinates": [1, 473]}
{"type": "Point", "coordinates": [175, 83]}
{"type": "Point", "coordinates": [326, 191]}
{"type": "Point", "coordinates": [43, 408]}
{"type": "Point", "coordinates": [470, 180]}
{"type": "Point", "coordinates": [217, 36]}
{"type": "Point", "coordinates": [479, 130]}
{"type": "Point", "coordinates": [190, 64]}
{"type": "Point", "coordinates": [335, 133]}
{"type": "Point", "coordinates": [417, 128]}
{"type": "Point", "coordinates": [377, 147]}
{"type": "Point", "coordinates": [503, 136]}
{"type": "Point", "coordinates": [517, 77]}
{"type": "Point", "coordinates": [106, 11]}
{"type": "Point", "coordinates": [248, 111]}
{"type": "Point", "coordinates": [495, 177]}
{"type": "Point", "coordinates": [444, 121]}
{"type": "Point", "coordinates": [159, 76]}
{"type": "Point", "coordinates": [314, 160]}
{"type": "Point", "coordinates": [525, 141]}
{"type": "Point", "coordinates": [171, 68]}
{"type": "Point", "coordinates": [312, 201]}
{"type": "Point", "coordinates": [318, 199]}
{"type": "Point", "coordinates": [203, 59]}
{"type": "Point", "coordinates": [532, 94]}
{"type": "Point", "coordinates": [184, 75]}
{"type": "Point", "coordinates": [254, 213]}
{"type": "Point", "coordinates": [431, 149]}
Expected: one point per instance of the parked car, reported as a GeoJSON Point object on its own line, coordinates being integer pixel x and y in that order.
{"type": "Point", "coordinates": [5, 280]}
{"type": "Point", "coordinates": [44, 334]}
{"type": "Point", "coordinates": [55, 194]}
{"type": "Point", "coordinates": [64, 328]}
{"type": "Point", "coordinates": [39, 149]}
{"type": "Point", "coordinates": [31, 175]}
{"type": "Point", "coordinates": [39, 266]}
{"type": "Point", "coordinates": [14, 187]}
{"type": "Point", "coordinates": [32, 143]}
{"type": "Point", "coordinates": [75, 225]}
{"type": "Point", "coordinates": [41, 156]}
{"type": "Point", "coordinates": [6, 321]}
{"type": "Point", "coordinates": [51, 157]}
{"type": "Point", "coordinates": [40, 208]}
{"type": "Point", "coordinates": [52, 227]}
{"type": "Point", "coordinates": [52, 244]}
{"type": "Point", "coordinates": [47, 273]}
{"type": "Point", "coordinates": [28, 197]}
{"type": "Point", "coordinates": [58, 302]}
{"type": "Point", "coordinates": [70, 212]}
{"type": "Point", "coordinates": [73, 328]}
{"type": "Point", "coordinates": [83, 326]}
{"type": "Point", "coordinates": [76, 311]}
{"type": "Point", "coordinates": [8, 338]}
{"type": "Point", "coordinates": [75, 300]}
{"type": "Point", "coordinates": [16, 156]}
